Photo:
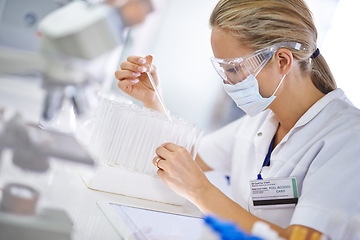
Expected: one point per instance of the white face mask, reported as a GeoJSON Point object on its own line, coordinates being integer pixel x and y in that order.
{"type": "Point", "coordinates": [246, 95]}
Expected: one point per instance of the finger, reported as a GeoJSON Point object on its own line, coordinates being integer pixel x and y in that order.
{"type": "Point", "coordinates": [163, 152]}
{"type": "Point", "coordinates": [161, 173]}
{"type": "Point", "coordinates": [171, 146]}
{"type": "Point", "coordinates": [127, 85]}
{"type": "Point", "coordinates": [132, 67]}
{"type": "Point", "coordinates": [142, 64]}
{"type": "Point", "coordinates": [160, 162]}
{"type": "Point", "coordinates": [126, 74]}
{"type": "Point", "coordinates": [136, 60]}
{"type": "Point", "coordinates": [156, 160]}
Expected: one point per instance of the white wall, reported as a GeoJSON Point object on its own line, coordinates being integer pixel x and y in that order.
{"type": "Point", "coordinates": [341, 48]}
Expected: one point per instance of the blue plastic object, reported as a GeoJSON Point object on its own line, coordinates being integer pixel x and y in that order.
{"type": "Point", "coordinates": [228, 230]}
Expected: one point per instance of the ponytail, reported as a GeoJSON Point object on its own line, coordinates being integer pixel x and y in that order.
{"type": "Point", "coordinates": [321, 75]}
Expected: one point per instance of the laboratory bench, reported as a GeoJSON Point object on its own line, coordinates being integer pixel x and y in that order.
{"type": "Point", "coordinates": [62, 187]}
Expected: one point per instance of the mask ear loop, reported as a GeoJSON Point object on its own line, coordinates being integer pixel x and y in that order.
{"type": "Point", "coordinates": [279, 84]}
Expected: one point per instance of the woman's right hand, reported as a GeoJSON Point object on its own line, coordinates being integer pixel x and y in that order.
{"type": "Point", "coordinates": [134, 81]}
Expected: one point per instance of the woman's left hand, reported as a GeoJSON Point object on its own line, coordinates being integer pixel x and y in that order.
{"type": "Point", "coordinates": [180, 172]}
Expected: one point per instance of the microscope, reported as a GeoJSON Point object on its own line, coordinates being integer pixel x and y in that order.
{"type": "Point", "coordinates": [70, 36]}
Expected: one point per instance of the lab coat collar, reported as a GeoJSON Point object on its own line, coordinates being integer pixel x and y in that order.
{"type": "Point", "coordinates": [269, 127]}
{"type": "Point", "coordinates": [316, 109]}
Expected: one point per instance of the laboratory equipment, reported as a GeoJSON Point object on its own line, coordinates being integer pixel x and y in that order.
{"type": "Point", "coordinates": [66, 40]}
{"type": "Point", "coordinates": [19, 199]}
{"type": "Point", "coordinates": [19, 21]}
{"type": "Point", "coordinates": [31, 149]}
{"type": "Point", "coordinates": [20, 219]}
{"type": "Point", "coordinates": [70, 37]}
{"type": "Point", "coordinates": [32, 146]}
{"type": "Point", "coordinates": [124, 139]}
{"type": "Point", "coordinates": [67, 48]}
{"type": "Point", "coordinates": [148, 72]}
{"type": "Point", "coordinates": [63, 72]}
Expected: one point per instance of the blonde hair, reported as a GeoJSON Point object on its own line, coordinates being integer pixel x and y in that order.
{"type": "Point", "coordinates": [261, 23]}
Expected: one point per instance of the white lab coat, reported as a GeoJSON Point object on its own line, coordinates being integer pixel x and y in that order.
{"type": "Point", "coordinates": [322, 151]}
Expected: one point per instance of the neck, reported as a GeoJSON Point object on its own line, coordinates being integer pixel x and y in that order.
{"type": "Point", "coordinates": [293, 100]}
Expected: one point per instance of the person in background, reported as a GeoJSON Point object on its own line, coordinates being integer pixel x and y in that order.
{"type": "Point", "coordinates": [293, 159]}
{"type": "Point", "coordinates": [133, 12]}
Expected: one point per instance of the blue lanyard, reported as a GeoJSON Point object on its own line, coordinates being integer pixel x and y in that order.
{"type": "Point", "coordinates": [267, 158]}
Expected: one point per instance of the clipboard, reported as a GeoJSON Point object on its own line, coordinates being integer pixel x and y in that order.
{"type": "Point", "coordinates": [137, 223]}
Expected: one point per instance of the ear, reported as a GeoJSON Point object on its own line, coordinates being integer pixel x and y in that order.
{"type": "Point", "coordinates": [284, 60]}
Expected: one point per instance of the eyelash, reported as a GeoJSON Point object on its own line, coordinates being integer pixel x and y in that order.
{"type": "Point", "coordinates": [232, 70]}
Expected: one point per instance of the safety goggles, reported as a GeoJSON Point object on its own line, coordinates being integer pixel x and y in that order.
{"type": "Point", "coordinates": [236, 70]}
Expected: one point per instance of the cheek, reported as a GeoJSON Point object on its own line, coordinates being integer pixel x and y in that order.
{"type": "Point", "coordinates": [268, 81]}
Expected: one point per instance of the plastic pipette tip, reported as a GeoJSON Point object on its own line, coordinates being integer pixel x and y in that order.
{"type": "Point", "coordinates": [158, 95]}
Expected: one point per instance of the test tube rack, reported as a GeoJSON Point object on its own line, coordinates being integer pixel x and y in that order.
{"type": "Point", "coordinates": [123, 140]}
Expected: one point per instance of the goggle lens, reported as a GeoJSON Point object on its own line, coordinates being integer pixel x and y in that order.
{"type": "Point", "coordinates": [237, 70]}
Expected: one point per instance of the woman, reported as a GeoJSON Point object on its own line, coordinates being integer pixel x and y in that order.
{"type": "Point", "coordinates": [299, 125]}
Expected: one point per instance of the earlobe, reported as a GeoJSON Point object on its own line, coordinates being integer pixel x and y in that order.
{"type": "Point", "coordinates": [284, 59]}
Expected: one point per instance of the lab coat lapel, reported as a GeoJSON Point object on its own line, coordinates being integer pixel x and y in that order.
{"type": "Point", "coordinates": [263, 139]}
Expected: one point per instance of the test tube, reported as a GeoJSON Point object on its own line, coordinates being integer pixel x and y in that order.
{"type": "Point", "coordinates": [127, 135]}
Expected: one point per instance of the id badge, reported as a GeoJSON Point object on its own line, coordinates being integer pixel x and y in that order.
{"type": "Point", "coordinates": [277, 192]}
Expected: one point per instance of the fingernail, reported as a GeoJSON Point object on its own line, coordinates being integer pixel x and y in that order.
{"type": "Point", "coordinates": [134, 81]}
{"type": "Point", "coordinates": [141, 69]}
{"type": "Point", "coordinates": [136, 74]}
{"type": "Point", "coordinates": [142, 60]}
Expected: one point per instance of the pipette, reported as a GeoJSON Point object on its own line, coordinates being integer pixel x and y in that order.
{"type": "Point", "coordinates": [157, 93]}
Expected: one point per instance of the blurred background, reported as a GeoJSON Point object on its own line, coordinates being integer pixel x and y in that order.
{"type": "Point", "coordinates": [177, 33]}
{"type": "Point", "coordinates": [55, 55]}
